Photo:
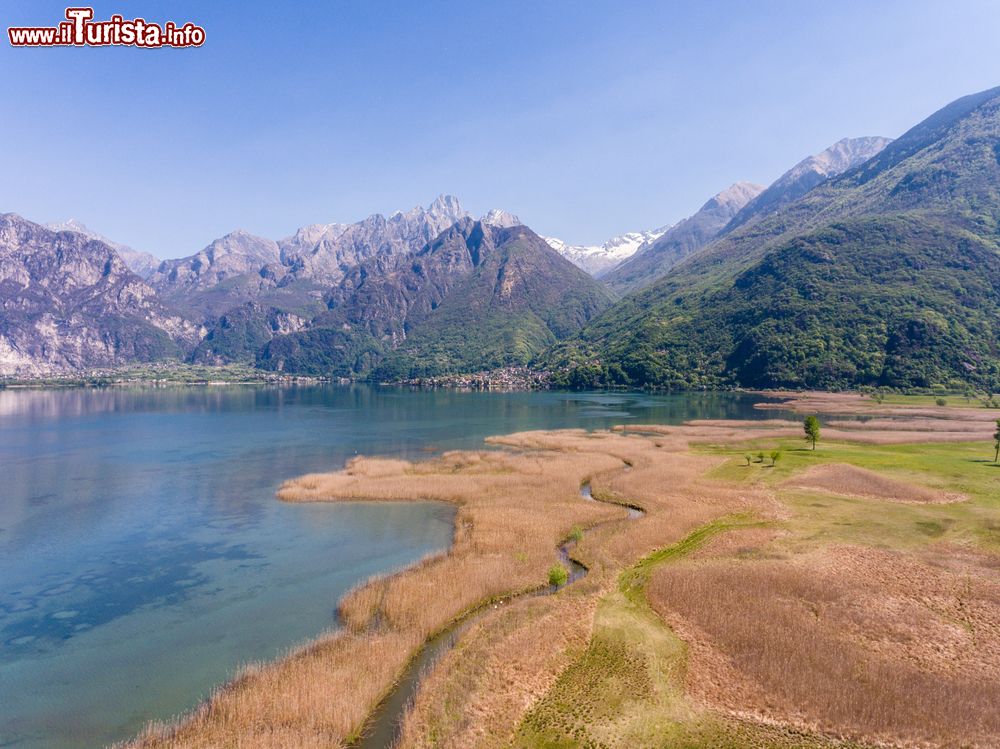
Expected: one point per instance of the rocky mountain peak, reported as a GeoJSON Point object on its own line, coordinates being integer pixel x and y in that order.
{"type": "Point", "coordinates": [143, 264]}
{"type": "Point", "coordinates": [238, 254]}
{"type": "Point", "coordinates": [446, 206]}
{"type": "Point", "coordinates": [500, 217]}
{"type": "Point", "coordinates": [843, 155]}
{"type": "Point", "coordinates": [68, 301]}
{"type": "Point", "coordinates": [244, 245]}
{"type": "Point", "coordinates": [734, 197]}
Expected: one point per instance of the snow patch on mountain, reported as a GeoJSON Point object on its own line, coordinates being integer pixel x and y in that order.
{"type": "Point", "coordinates": [600, 259]}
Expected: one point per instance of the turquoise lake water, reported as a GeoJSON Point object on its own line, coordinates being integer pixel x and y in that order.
{"type": "Point", "coordinates": [143, 556]}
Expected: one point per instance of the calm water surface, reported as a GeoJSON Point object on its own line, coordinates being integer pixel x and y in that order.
{"type": "Point", "coordinates": [143, 556]}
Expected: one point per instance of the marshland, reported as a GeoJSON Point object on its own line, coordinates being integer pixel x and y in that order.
{"type": "Point", "coordinates": [141, 535]}
{"type": "Point", "coordinates": [769, 594]}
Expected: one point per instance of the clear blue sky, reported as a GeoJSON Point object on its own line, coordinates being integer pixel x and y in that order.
{"type": "Point", "coordinates": [587, 119]}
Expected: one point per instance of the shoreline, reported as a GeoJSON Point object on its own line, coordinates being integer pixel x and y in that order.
{"type": "Point", "coordinates": [510, 379]}
{"type": "Point", "coordinates": [392, 611]}
{"type": "Point", "coordinates": [357, 609]}
{"type": "Point", "coordinates": [405, 621]}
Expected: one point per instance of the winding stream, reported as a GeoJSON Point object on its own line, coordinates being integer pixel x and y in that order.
{"type": "Point", "coordinates": [384, 726]}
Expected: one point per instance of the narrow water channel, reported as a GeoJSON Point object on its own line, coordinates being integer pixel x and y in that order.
{"type": "Point", "coordinates": [384, 726]}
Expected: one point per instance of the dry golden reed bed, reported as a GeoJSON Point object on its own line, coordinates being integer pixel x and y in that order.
{"type": "Point", "coordinates": [515, 506]}
{"type": "Point", "coordinates": [847, 640]}
{"type": "Point", "coordinates": [862, 405]}
{"type": "Point", "coordinates": [877, 645]}
{"type": "Point", "coordinates": [482, 690]}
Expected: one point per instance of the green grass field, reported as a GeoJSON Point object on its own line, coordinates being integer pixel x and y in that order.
{"type": "Point", "coordinates": [967, 468]}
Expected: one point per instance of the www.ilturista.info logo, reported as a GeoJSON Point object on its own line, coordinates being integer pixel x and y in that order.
{"type": "Point", "coordinates": [80, 30]}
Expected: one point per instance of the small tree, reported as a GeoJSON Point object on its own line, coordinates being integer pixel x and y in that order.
{"type": "Point", "coordinates": [748, 457]}
{"type": "Point", "coordinates": [941, 402]}
{"type": "Point", "coordinates": [760, 457]}
{"type": "Point", "coordinates": [775, 454]}
{"type": "Point", "coordinates": [996, 443]}
{"type": "Point", "coordinates": [558, 575]}
{"type": "Point", "coordinates": [810, 425]}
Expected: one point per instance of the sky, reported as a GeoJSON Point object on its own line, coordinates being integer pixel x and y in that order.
{"type": "Point", "coordinates": [586, 119]}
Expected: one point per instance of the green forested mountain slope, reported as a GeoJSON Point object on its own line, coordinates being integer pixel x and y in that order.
{"type": "Point", "coordinates": [888, 274]}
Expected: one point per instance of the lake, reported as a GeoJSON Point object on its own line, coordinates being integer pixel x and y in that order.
{"type": "Point", "coordinates": [143, 556]}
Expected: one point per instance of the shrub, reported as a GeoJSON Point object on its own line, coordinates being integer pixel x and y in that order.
{"type": "Point", "coordinates": [941, 402]}
{"type": "Point", "coordinates": [576, 534]}
{"type": "Point", "coordinates": [558, 575]}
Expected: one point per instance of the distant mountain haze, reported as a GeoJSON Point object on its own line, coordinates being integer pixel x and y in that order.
{"type": "Point", "coordinates": [598, 260]}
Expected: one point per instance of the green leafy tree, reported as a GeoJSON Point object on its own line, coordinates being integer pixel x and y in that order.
{"type": "Point", "coordinates": [748, 457]}
{"type": "Point", "coordinates": [760, 457]}
{"type": "Point", "coordinates": [810, 425]}
{"type": "Point", "coordinates": [996, 443]}
{"type": "Point", "coordinates": [775, 454]}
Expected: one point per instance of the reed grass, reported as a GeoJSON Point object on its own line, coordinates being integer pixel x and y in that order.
{"type": "Point", "coordinates": [866, 643]}
{"type": "Point", "coordinates": [735, 605]}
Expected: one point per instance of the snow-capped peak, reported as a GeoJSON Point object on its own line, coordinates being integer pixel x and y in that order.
{"type": "Point", "coordinates": [600, 259]}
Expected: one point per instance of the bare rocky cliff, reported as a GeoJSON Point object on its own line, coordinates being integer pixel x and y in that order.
{"type": "Point", "coordinates": [68, 302]}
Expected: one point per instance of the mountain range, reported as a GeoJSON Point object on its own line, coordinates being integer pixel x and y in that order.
{"type": "Point", "coordinates": [873, 262]}
{"type": "Point", "coordinates": [656, 258]}
{"type": "Point", "coordinates": [393, 286]}
{"type": "Point", "coordinates": [887, 274]}
{"type": "Point", "coordinates": [478, 297]}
